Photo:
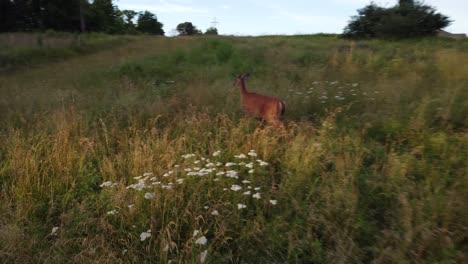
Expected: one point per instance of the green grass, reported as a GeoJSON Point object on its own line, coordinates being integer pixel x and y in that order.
{"type": "Point", "coordinates": [371, 166]}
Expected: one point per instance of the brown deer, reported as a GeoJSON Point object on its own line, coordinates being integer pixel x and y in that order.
{"type": "Point", "coordinates": [268, 108]}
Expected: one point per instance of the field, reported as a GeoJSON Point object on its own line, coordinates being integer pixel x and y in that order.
{"type": "Point", "coordinates": [136, 150]}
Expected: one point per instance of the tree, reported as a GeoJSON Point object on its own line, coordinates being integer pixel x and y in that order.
{"type": "Point", "coordinates": [211, 31]}
{"type": "Point", "coordinates": [148, 23]}
{"type": "Point", "coordinates": [187, 29]}
{"type": "Point", "coordinates": [406, 20]}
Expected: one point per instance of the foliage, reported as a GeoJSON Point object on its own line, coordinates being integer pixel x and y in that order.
{"type": "Point", "coordinates": [73, 16]}
{"type": "Point", "coordinates": [211, 31]}
{"type": "Point", "coordinates": [148, 23]}
{"type": "Point", "coordinates": [187, 29]}
{"type": "Point", "coordinates": [408, 19]}
{"type": "Point", "coordinates": [371, 167]}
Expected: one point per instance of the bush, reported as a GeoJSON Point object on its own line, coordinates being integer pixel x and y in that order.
{"type": "Point", "coordinates": [408, 19]}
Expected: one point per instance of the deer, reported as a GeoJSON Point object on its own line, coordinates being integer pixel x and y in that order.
{"type": "Point", "coordinates": [260, 106]}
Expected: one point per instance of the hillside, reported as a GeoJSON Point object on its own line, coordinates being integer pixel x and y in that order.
{"type": "Point", "coordinates": [130, 151]}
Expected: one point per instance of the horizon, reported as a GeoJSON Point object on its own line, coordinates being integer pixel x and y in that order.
{"type": "Point", "coordinates": [263, 17]}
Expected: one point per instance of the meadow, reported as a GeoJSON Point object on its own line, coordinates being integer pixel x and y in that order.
{"type": "Point", "coordinates": [136, 150]}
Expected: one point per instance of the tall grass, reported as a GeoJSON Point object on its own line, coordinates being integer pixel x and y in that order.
{"type": "Point", "coordinates": [371, 167]}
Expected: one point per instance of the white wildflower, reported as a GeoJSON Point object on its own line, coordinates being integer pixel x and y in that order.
{"type": "Point", "coordinates": [187, 156]}
{"type": "Point", "coordinates": [246, 193]}
{"type": "Point", "coordinates": [108, 184]}
{"type": "Point", "coordinates": [147, 174]}
{"type": "Point", "coordinates": [195, 233]}
{"type": "Point", "coordinates": [240, 156]}
{"type": "Point", "coordinates": [201, 241]}
{"type": "Point", "coordinates": [252, 153]}
{"type": "Point", "coordinates": [245, 181]}
{"type": "Point", "coordinates": [229, 164]}
{"type": "Point", "coordinates": [196, 162]}
{"type": "Point", "coordinates": [216, 153]}
{"type": "Point", "coordinates": [54, 231]}
{"type": "Point", "coordinates": [145, 235]}
{"type": "Point", "coordinates": [149, 195]}
{"type": "Point", "coordinates": [180, 181]}
{"type": "Point", "coordinates": [231, 174]}
{"type": "Point", "coordinates": [251, 171]}
{"type": "Point", "coordinates": [257, 188]}
{"type": "Point", "coordinates": [273, 202]}
{"type": "Point", "coordinates": [241, 206]}
{"type": "Point", "coordinates": [130, 206]}
{"type": "Point", "coordinates": [215, 212]}
{"type": "Point", "coordinates": [220, 173]}
{"type": "Point", "coordinates": [257, 196]}
{"type": "Point", "coordinates": [166, 174]}
{"type": "Point", "coordinates": [236, 187]}
{"type": "Point", "coordinates": [249, 165]}
{"type": "Point", "coordinates": [263, 163]}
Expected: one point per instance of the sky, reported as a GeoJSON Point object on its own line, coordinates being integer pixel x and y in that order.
{"type": "Point", "coordinates": [276, 17]}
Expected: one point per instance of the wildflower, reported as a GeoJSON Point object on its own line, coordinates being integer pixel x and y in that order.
{"type": "Point", "coordinates": [145, 235]}
{"type": "Point", "coordinates": [176, 166]}
{"type": "Point", "coordinates": [257, 188]}
{"type": "Point", "coordinates": [188, 169]}
{"type": "Point", "coordinates": [206, 207]}
{"type": "Point", "coordinates": [236, 187]}
{"type": "Point", "coordinates": [263, 163]}
{"type": "Point", "coordinates": [153, 179]}
{"type": "Point", "coordinates": [252, 153]}
{"type": "Point", "coordinates": [240, 156]}
{"type": "Point", "coordinates": [149, 196]}
{"type": "Point", "coordinates": [273, 202]}
{"type": "Point", "coordinates": [220, 173]}
{"type": "Point", "coordinates": [147, 174]}
{"type": "Point", "coordinates": [196, 162]}
{"type": "Point", "coordinates": [251, 171]}
{"type": "Point", "coordinates": [195, 233]}
{"type": "Point", "coordinates": [216, 153]}
{"type": "Point", "coordinates": [54, 231]}
{"type": "Point", "coordinates": [196, 168]}
{"type": "Point", "coordinates": [210, 165]}
{"type": "Point", "coordinates": [166, 175]}
{"type": "Point", "coordinates": [246, 193]}
{"type": "Point", "coordinates": [215, 212]}
{"type": "Point", "coordinates": [229, 164]}
{"type": "Point", "coordinates": [187, 156]}
{"type": "Point", "coordinates": [137, 178]}
{"type": "Point", "coordinates": [167, 187]}
{"type": "Point", "coordinates": [108, 184]}
{"type": "Point", "coordinates": [257, 196]}
{"type": "Point", "coordinates": [130, 206]}
{"type": "Point", "coordinates": [241, 206]}
{"type": "Point", "coordinates": [203, 256]}
{"type": "Point", "coordinates": [112, 212]}
{"type": "Point", "coordinates": [232, 174]}
{"type": "Point", "coordinates": [218, 164]}
{"type": "Point", "coordinates": [180, 181]}
{"type": "Point", "coordinates": [245, 181]}
{"type": "Point", "coordinates": [249, 165]}
{"type": "Point", "coordinates": [355, 84]}
{"type": "Point", "coordinates": [201, 241]}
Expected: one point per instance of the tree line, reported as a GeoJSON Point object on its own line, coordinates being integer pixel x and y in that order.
{"type": "Point", "coordinates": [407, 19]}
{"type": "Point", "coordinates": [75, 16]}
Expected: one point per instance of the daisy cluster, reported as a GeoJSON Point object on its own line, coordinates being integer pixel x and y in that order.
{"type": "Point", "coordinates": [332, 91]}
{"type": "Point", "coordinates": [234, 175]}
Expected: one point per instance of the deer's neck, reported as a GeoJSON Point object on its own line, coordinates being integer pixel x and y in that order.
{"type": "Point", "coordinates": [243, 90]}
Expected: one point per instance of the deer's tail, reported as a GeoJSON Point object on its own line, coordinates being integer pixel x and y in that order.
{"type": "Point", "coordinates": [281, 108]}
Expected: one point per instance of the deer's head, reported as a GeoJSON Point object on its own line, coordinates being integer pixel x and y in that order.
{"type": "Point", "coordinates": [240, 78]}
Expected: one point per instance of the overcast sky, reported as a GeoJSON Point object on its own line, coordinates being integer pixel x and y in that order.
{"type": "Point", "coordinates": [262, 17]}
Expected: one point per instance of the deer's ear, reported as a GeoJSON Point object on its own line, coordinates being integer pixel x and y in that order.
{"type": "Point", "coordinates": [245, 75]}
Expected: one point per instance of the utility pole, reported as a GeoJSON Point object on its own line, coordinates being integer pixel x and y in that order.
{"type": "Point", "coordinates": [214, 23]}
